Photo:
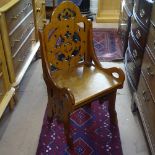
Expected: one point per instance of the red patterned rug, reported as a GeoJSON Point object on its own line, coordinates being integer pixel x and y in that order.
{"type": "Point", "coordinates": [107, 44]}
{"type": "Point", "coordinates": [91, 131]}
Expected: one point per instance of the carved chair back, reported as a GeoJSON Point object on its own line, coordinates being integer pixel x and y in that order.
{"type": "Point", "coordinates": [66, 38]}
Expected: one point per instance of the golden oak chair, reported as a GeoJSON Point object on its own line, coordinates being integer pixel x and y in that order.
{"type": "Point", "coordinates": [73, 75]}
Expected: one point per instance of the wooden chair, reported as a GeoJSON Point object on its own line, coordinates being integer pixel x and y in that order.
{"type": "Point", "coordinates": [73, 75]}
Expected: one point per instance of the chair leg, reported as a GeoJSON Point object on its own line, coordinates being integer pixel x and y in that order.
{"type": "Point", "coordinates": [49, 110]}
{"type": "Point", "coordinates": [112, 111]}
{"type": "Point", "coordinates": [67, 131]}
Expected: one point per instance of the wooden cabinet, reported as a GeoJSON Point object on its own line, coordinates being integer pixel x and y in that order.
{"type": "Point", "coordinates": [20, 21]}
{"type": "Point", "coordinates": [144, 96]}
{"type": "Point", "coordinates": [6, 91]}
{"type": "Point", "coordinates": [140, 22]}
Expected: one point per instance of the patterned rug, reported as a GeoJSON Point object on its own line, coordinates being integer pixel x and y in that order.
{"type": "Point", "coordinates": [91, 131]}
{"type": "Point", "coordinates": [107, 44]}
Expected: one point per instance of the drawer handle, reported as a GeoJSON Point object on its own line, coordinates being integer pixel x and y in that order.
{"type": "Point", "coordinates": [29, 4]}
{"type": "Point", "coordinates": [149, 72]}
{"type": "Point", "coordinates": [135, 53]}
{"type": "Point", "coordinates": [15, 17]}
{"type": "Point", "coordinates": [142, 13]}
{"type": "Point", "coordinates": [20, 60]}
{"type": "Point", "coordinates": [145, 97]}
{"type": "Point", "coordinates": [33, 40]}
{"type": "Point", "coordinates": [144, 92]}
{"type": "Point", "coordinates": [138, 34]}
{"type": "Point", "coordinates": [38, 10]}
{"type": "Point", "coordinates": [17, 40]}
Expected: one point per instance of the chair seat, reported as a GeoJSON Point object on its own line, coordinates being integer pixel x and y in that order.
{"type": "Point", "coordinates": [85, 83]}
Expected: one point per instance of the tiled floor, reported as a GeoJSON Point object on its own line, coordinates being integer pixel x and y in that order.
{"type": "Point", "coordinates": [20, 130]}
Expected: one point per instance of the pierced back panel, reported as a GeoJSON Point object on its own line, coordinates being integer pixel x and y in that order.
{"type": "Point", "coordinates": [66, 37]}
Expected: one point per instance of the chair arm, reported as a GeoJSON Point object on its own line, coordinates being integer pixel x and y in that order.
{"type": "Point", "coordinates": [117, 73]}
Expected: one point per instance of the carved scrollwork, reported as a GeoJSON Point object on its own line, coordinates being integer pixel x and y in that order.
{"type": "Point", "coordinates": [66, 45]}
{"type": "Point", "coordinates": [67, 13]}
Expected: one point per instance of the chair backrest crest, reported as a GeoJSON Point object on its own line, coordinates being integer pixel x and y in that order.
{"type": "Point", "coordinates": [66, 37]}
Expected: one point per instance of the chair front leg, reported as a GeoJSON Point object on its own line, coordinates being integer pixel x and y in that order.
{"type": "Point", "coordinates": [50, 104]}
{"type": "Point", "coordinates": [111, 108]}
{"type": "Point", "coordinates": [66, 122]}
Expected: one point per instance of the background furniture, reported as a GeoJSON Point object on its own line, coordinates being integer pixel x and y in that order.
{"type": "Point", "coordinates": [6, 91]}
{"type": "Point", "coordinates": [50, 6]}
{"type": "Point", "coordinates": [125, 22]}
{"type": "Point", "coordinates": [73, 75]}
{"type": "Point", "coordinates": [20, 21]}
{"type": "Point", "coordinates": [108, 11]}
{"type": "Point", "coordinates": [144, 97]}
{"type": "Point", "coordinates": [140, 64]}
{"type": "Point", "coordinates": [137, 40]}
{"type": "Point", "coordinates": [84, 6]}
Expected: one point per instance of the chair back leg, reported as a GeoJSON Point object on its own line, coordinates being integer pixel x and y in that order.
{"type": "Point", "coordinates": [111, 108]}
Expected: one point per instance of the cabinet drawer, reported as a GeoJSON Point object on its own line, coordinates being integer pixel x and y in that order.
{"type": "Point", "coordinates": [136, 51]}
{"type": "Point", "coordinates": [20, 59]}
{"type": "Point", "coordinates": [132, 69]}
{"type": "Point", "coordinates": [143, 11]}
{"type": "Point", "coordinates": [147, 110]}
{"type": "Point", "coordinates": [17, 38]}
{"type": "Point", "coordinates": [138, 32]}
{"type": "Point", "coordinates": [148, 69]}
{"type": "Point", "coordinates": [151, 39]}
{"type": "Point", "coordinates": [17, 13]}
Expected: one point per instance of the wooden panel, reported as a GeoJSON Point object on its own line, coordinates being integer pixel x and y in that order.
{"type": "Point", "coordinates": [15, 14]}
{"type": "Point", "coordinates": [151, 39]}
{"type": "Point", "coordinates": [6, 92]}
{"type": "Point", "coordinates": [17, 38]}
{"type": "Point", "coordinates": [148, 69]}
{"type": "Point", "coordinates": [1, 82]}
{"type": "Point", "coordinates": [20, 59]}
{"type": "Point", "coordinates": [146, 107]}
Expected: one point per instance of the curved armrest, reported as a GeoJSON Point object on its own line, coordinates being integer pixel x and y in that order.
{"type": "Point", "coordinates": [117, 74]}
{"type": "Point", "coordinates": [120, 77]}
